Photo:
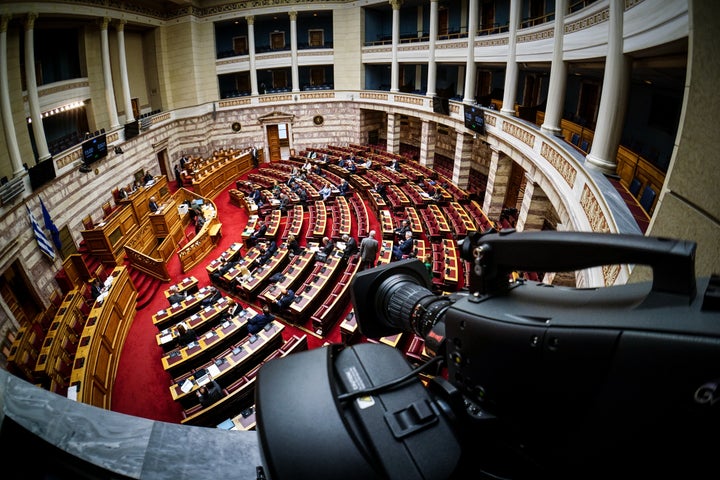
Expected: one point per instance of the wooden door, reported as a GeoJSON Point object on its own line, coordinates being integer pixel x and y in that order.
{"type": "Point", "coordinates": [273, 143]}
{"type": "Point", "coordinates": [317, 76]}
{"type": "Point", "coordinates": [488, 15]}
{"type": "Point", "coordinates": [240, 45]}
{"type": "Point", "coordinates": [135, 107]}
{"type": "Point", "coordinates": [442, 21]}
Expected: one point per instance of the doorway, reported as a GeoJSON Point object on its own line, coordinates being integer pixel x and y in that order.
{"type": "Point", "coordinates": [273, 136]}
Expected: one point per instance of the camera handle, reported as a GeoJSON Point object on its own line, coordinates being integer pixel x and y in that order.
{"type": "Point", "coordinates": [495, 255]}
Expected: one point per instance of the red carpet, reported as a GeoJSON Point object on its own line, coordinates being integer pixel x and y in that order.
{"type": "Point", "coordinates": [142, 386]}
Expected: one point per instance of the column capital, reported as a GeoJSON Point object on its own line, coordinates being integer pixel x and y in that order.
{"type": "Point", "coordinates": [30, 20]}
{"type": "Point", "coordinates": [293, 15]}
{"type": "Point", "coordinates": [395, 4]}
{"type": "Point", "coordinates": [120, 25]}
{"type": "Point", "coordinates": [104, 22]}
{"type": "Point", "coordinates": [4, 22]}
{"type": "Point", "coordinates": [250, 19]}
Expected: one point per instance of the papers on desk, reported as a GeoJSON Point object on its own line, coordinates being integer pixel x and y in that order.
{"type": "Point", "coordinates": [226, 425]}
{"type": "Point", "coordinates": [160, 312]}
{"type": "Point", "coordinates": [203, 380]}
{"type": "Point", "coordinates": [72, 392]}
{"type": "Point", "coordinates": [166, 339]}
{"type": "Point", "coordinates": [186, 386]}
{"type": "Point", "coordinates": [175, 305]}
{"type": "Point", "coordinates": [213, 370]}
{"type": "Point", "coordinates": [236, 246]}
{"type": "Point", "coordinates": [209, 334]}
{"type": "Point", "coordinates": [424, 195]}
{"type": "Point", "coordinates": [314, 249]}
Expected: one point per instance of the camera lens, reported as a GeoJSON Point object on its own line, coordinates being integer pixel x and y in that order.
{"type": "Point", "coordinates": [409, 306]}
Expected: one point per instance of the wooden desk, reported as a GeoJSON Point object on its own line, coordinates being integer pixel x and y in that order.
{"type": "Point", "coordinates": [231, 254]}
{"type": "Point", "coordinates": [312, 289]}
{"type": "Point", "coordinates": [439, 218]}
{"type": "Point", "coordinates": [175, 312]}
{"type": "Point", "coordinates": [190, 356]}
{"type": "Point", "coordinates": [98, 353]}
{"type": "Point", "coordinates": [293, 274]}
{"type": "Point", "coordinates": [187, 284]}
{"type": "Point", "coordinates": [200, 322]}
{"type": "Point", "coordinates": [221, 172]}
{"type": "Point", "coordinates": [261, 274]}
{"type": "Point", "coordinates": [385, 256]}
{"type": "Point", "coordinates": [386, 224]}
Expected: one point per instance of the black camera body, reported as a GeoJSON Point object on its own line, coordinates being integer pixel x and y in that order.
{"type": "Point", "coordinates": [545, 381]}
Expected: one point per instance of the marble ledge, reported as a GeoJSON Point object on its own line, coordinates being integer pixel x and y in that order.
{"type": "Point", "coordinates": [131, 446]}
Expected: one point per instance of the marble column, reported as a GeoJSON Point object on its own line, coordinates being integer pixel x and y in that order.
{"type": "Point", "coordinates": [31, 82]}
{"type": "Point", "coordinates": [393, 133]}
{"type": "Point", "coordinates": [427, 143]}
{"type": "Point", "coordinates": [534, 207]}
{"type": "Point", "coordinates": [558, 75]}
{"type": "Point", "coordinates": [616, 83]}
{"type": "Point", "coordinates": [294, 52]}
{"type": "Point", "coordinates": [432, 67]}
{"type": "Point", "coordinates": [497, 183]}
{"type": "Point", "coordinates": [107, 74]}
{"type": "Point", "coordinates": [395, 67]}
{"type": "Point", "coordinates": [511, 69]}
{"type": "Point", "coordinates": [470, 69]}
{"type": "Point", "coordinates": [463, 159]}
{"type": "Point", "coordinates": [129, 116]}
{"type": "Point", "coordinates": [251, 50]}
{"type": "Point", "coordinates": [5, 106]}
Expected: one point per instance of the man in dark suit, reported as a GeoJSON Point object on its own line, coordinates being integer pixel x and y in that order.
{"type": "Point", "coordinates": [351, 246]}
{"type": "Point", "coordinates": [343, 188]}
{"type": "Point", "coordinates": [184, 335]}
{"type": "Point", "coordinates": [285, 300]}
{"type": "Point", "coordinates": [224, 267]}
{"type": "Point", "coordinates": [405, 247]}
{"type": "Point", "coordinates": [175, 295]}
{"type": "Point", "coordinates": [153, 205]}
{"type": "Point", "coordinates": [258, 322]}
{"type": "Point", "coordinates": [258, 233]}
{"type": "Point", "coordinates": [209, 393]}
{"type": "Point", "coordinates": [326, 249]}
{"type": "Point", "coordinates": [213, 297]}
{"type": "Point", "coordinates": [403, 229]}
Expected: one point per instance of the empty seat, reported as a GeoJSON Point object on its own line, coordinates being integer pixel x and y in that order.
{"type": "Point", "coordinates": [634, 187]}
{"type": "Point", "coordinates": [648, 198]}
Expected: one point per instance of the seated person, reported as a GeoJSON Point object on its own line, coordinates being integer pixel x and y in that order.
{"type": "Point", "coordinates": [351, 246]}
{"type": "Point", "coordinates": [184, 335]}
{"type": "Point", "coordinates": [394, 165]}
{"type": "Point", "coordinates": [405, 247]}
{"type": "Point", "coordinates": [199, 222]}
{"type": "Point", "coordinates": [224, 267]}
{"type": "Point", "coordinates": [148, 178]}
{"type": "Point", "coordinates": [381, 189]}
{"type": "Point", "coordinates": [258, 322]}
{"type": "Point", "coordinates": [343, 188]}
{"type": "Point", "coordinates": [307, 167]}
{"type": "Point", "coordinates": [402, 229]}
{"type": "Point", "coordinates": [233, 310]}
{"type": "Point", "coordinates": [153, 205]}
{"type": "Point", "coordinates": [318, 170]}
{"type": "Point", "coordinates": [325, 191]}
{"type": "Point", "coordinates": [175, 295]}
{"type": "Point", "coordinates": [284, 202]}
{"type": "Point", "coordinates": [212, 297]}
{"type": "Point", "coordinates": [96, 289]}
{"type": "Point", "coordinates": [285, 300]}
{"type": "Point", "coordinates": [341, 162]}
{"type": "Point", "coordinates": [292, 245]}
{"type": "Point", "coordinates": [325, 158]}
{"type": "Point", "coordinates": [351, 167]}
{"type": "Point", "coordinates": [367, 164]}
{"type": "Point", "coordinates": [276, 190]}
{"type": "Point", "coordinates": [326, 249]}
{"type": "Point", "coordinates": [267, 253]}
{"type": "Point", "coordinates": [209, 393]}
{"type": "Point", "coordinates": [256, 197]}
{"type": "Point", "coordinates": [258, 233]}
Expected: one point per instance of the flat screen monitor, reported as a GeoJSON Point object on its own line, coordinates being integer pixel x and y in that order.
{"type": "Point", "coordinates": [41, 173]}
{"type": "Point", "coordinates": [94, 149]}
{"type": "Point", "coordinates": [474, 118]}
{"type": "Point", "coordinates": [132, 129]}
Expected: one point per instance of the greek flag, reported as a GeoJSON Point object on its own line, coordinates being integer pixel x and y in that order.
{"type": "Point", "coordinates": [42, 240]}
{"type": "Point", "coordinates": [50, 226]}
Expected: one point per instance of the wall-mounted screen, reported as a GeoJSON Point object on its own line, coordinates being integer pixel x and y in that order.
{"type": "Point", "coordinates": [441, 105]}
{"type": "Point", "coordinates": [474, 118]}
{"type": "Point", "coordinates": [94, 149]}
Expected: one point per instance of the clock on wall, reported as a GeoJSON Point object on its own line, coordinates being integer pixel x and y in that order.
{"type": "Point", "coordinates": [318, 120]}
{"type": "Point", "coordinates": [236, 126]}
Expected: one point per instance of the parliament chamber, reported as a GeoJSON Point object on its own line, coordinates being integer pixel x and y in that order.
{"type": "Point", "coordinates": [573, 137]}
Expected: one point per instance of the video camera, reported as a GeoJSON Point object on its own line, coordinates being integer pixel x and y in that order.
{"type": "Point", "coordinates": [538, 381]}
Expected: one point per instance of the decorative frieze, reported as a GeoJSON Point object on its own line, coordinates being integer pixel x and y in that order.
{"type": "Point", "coordinates": [591, 207]}
{"type": "Point", "coordinates": [531, 37]}
{"type": "Point", "coordinates": [523, 135]}
{"type": "Point", "coordinates": [234, 102]}
{"type": "Point", "coordinates": [587, 22]}
{"type": "Point", "coordinates": [563, 167]}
